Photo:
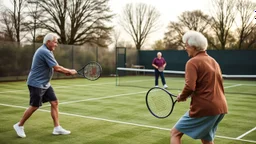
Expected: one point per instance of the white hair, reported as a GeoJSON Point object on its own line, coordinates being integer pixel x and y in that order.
{"type": "Point", "coordinates": [49, 37]}
{"type": "Point", "coordinates": [195, 39]}
{"type": "Point", "coordinates": [159, 53]}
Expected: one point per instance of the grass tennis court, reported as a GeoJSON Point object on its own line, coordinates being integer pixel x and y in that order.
{"type": "Point", "coordinates": [100, 112]}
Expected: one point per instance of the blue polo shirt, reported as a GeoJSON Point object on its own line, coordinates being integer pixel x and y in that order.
{"type": "Point", "coordinates": [42, 68]}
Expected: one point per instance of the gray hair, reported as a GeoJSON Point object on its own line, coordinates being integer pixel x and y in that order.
{"type": "Point", "coordinates": [49, 37]}
{"type": "Point", "coordinates": [195, 39]}
{"type": "Point", "coordinates": [159, 53]}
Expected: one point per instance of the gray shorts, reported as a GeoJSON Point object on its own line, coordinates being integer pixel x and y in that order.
{"type": "Point", "coordinates": [39, 96]}
{"type": "Point", "coordinates": [199, 128]}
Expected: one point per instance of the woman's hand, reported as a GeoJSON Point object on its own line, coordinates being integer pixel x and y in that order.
{"type": "Point", "coordinates": [179, 99]}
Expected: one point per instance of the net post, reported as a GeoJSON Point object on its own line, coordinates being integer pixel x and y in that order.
{"type": "Point", "coordinates": [116, 76]}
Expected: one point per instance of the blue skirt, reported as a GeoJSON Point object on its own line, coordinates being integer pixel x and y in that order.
{"type": "Point", "coordinates": [199, 128]}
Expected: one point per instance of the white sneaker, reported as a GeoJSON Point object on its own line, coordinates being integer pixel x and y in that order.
{"type": "Point", "coordinates": [165, 86]}
{"type": "Point", "coordinates": [60, 131]}
{"type": "Point", "coordinates": [156, 86]}
{"type": "Point", "coordinates": [19, 130]}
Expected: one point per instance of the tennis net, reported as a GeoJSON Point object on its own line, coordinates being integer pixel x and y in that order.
{"type": "Point", "coordinates": [144, 78]}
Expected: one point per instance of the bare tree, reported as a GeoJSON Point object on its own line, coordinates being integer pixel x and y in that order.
{"type": "Point", "coordinates": [139, 21]}
{"type": "Point", "coordinates": [7, 26]}
{"type": "Point", "coordinates": [18, 18]}
{"type": "Point", "coordinates": [250, 41]}
{"type": "Point", "coordinates": [223, 17]}
{"type": "Point", "coordinates": [188, 20]}
{"type": "Point", "coordinates": [78, 21]}
{"type": "Point", "coordinates": [173, 36]}
{"type": "Point", "coordinates": [35, 13]}
{"type": "Point", "coordinates": [245, 9]}
{"type": "Point", "coordinates": [195, 20]}
{"type": "Point", "coordinates": [158, 45]}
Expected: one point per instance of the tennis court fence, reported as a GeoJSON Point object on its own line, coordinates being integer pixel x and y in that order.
{"type": "Point", "coordinates": [16, 59]}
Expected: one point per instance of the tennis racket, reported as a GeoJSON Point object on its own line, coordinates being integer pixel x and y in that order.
{"type": "Point", "coordinates": [160, 102]}
{"type": "Point", "coordinates": [91, 71]}
{"type": "Point", "coordinates": [161, 69]}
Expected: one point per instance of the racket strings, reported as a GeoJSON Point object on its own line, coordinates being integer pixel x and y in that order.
{"type": "Point", "coordinates": [161, 69]}
{"type": "Point", "coordinates": [160, 103]}
{"type": "Point", "coordinates": [92, 71]}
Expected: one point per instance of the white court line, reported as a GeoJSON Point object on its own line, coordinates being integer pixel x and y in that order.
{"type": "Point", "coordinates": [68, 86]}
{"type": "Point", "coordinates": [57, 87]}
{"type": "Point", "coordinates": [121, 122]}
{"type": "Point", "coordinates": [233, 86]}
{"type": "Point", "coordinates": [105, 96]}
{"type": "Point", "coordinates": [117, 96]}
{"type": "Point", "coordinates": [91, 99]}
{"type": "Point", "coordinates": [249, 84]}
{"type": "Point", "coordinates": [137, 81]}
{"type": "Point", "coordinates": [246, 133]}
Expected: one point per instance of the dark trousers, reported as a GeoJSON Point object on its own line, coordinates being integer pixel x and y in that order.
{"type": "Point", "coordinates": [157, 73]}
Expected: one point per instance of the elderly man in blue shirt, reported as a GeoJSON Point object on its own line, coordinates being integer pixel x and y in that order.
{"type": "Point", "coordinates": [41, 91]}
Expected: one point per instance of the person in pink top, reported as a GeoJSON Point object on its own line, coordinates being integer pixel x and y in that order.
{"type": "Point", "coordinates": [204, 84]}
{"type": "Point", "coordinates": [159, 64]}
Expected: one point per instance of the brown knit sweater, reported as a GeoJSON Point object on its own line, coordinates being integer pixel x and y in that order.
{"type": "Point", "coordinates": [203, 82]}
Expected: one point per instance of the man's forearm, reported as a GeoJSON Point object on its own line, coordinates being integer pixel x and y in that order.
{"type": "Point", "coordinates": [61, 69]}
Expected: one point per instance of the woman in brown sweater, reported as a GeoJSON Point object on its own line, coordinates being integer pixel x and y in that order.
{"type": "Point", "coordinates": [203, 83]}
